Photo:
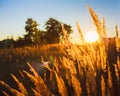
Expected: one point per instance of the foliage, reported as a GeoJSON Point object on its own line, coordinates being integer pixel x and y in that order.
{"type": "Point", "coordinates": [54, 32]}
{"type": "Point", "coordinates": [33, 35]}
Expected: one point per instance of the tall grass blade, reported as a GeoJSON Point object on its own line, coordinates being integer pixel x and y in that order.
{"type": "Point", "coordinates": [20, 85]}
{"type": "Point", "coordinates": [14, 91]}
{"type": "Point", "coordinates": [80, 32]}
{"type": "Point", "coordinates": [104, 31]}
{"type": "Point", "coordinates": [95, 20]}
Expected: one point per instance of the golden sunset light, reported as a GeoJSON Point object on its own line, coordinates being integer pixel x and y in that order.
{"type": "Point", "coordinates": [91, 37]}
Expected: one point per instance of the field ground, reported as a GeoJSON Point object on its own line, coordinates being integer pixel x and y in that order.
{"type": "Point", "coordinates": [64, 70]}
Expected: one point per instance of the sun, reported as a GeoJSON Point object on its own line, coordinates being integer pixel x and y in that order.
{"type": "Point", "coordinates": [91, 37]}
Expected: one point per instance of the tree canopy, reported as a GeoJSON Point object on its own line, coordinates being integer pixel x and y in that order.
{"type": "Point", "coordinates": [33, 33]}
{"type": "Point", "coordinates": [54, 32]}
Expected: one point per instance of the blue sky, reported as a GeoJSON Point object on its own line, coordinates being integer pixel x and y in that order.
{"type": "Point", "coordinates": [14, 13]}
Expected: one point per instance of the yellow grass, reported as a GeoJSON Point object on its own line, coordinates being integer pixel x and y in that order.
{"type": "Point", "coordinates": [72, 70]}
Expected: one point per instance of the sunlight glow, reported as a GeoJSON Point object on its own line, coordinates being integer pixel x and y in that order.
{"type": "Point", "coordinates": [91, 37]}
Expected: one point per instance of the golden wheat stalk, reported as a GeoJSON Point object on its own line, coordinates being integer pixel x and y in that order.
{"type": "Point", "coordinates": [35, 92]}
{"type": "Point", "coordinates": [5, 93]}
{"type": "Point", "coordinates": [14, 91]}
{"type": "Point", "coordinates": [76, 85]}
{"type": "Point", "coordinates": [80, 32]}
{"type": "Point", "coordinates": [21, 74]}
{"type": "Point", "coordinates": [95, 20]}
{"type": "Point", "coordinates": [116, 29]}
{"type": "Point", "coordinates": [33, 79]}
{"type": "Point", "coordinates": [116, 38]}
{"type": "Point", "coordinates": [48, 68]}
{"type": "Point", "coordinates": [104, 32]}
{"type": "Point", "coordinates": [61, 85]}
{"type": "Point", "coordinates": [102, 86]}
{"type": "Point", "coordinates": [66, 37]}
{"type": "Point", "coordinates": [56, 67]}
{"type": "Point", "coordinates": [33, 70]}
{"type": "Point", "coordinates": [36, 75]}
{"type": "Point", "coordinates": [38, 81]}
{"type": "Point", "coordinates": [20, 85]}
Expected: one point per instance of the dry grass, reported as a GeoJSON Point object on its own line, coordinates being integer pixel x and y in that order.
{"type": "Point", "coordinates": [96, 20]}
{"type": "Point", "coordinates": [72, 70]}
{"type": "Point", "coordinates": [80, 32]}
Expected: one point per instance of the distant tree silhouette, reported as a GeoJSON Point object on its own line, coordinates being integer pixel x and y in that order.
{"type": "Point", "coordinates": [7, 43]}
{"type": "Point", "coordinates": [20, 42]}
{"type": "Point", "coordinates": [54, 32]}
{"type": "Point", "coordinates": [33, 35]}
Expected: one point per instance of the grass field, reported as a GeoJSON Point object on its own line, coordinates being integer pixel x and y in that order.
{"type": "Point", "coordinates": [74, 70]}
{"type": "Point", "coordinates": [89, 69]}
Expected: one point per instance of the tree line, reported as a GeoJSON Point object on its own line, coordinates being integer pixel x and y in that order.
{"type": "Point", "coordinates": [52, 33]}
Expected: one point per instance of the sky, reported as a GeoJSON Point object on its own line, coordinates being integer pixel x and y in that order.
{"type": "Point", "coordinates": [14, 14]}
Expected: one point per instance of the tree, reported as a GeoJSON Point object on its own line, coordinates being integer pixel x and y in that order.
{"type": "Point", "coordinates": [54, 32]}
{"type": "Point", "coordinates": [8, 43]}
{"type": "Point", "coordinates": [20, 42]}
{"type": "Point", "coordinates": [33, 33]}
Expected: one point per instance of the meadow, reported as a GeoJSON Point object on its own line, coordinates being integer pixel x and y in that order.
{"type": "Point", "coordinates": [87, 69]}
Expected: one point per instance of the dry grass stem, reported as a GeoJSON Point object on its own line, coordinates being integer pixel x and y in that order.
{"type": "Point", "coordinates": [80, 32]}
